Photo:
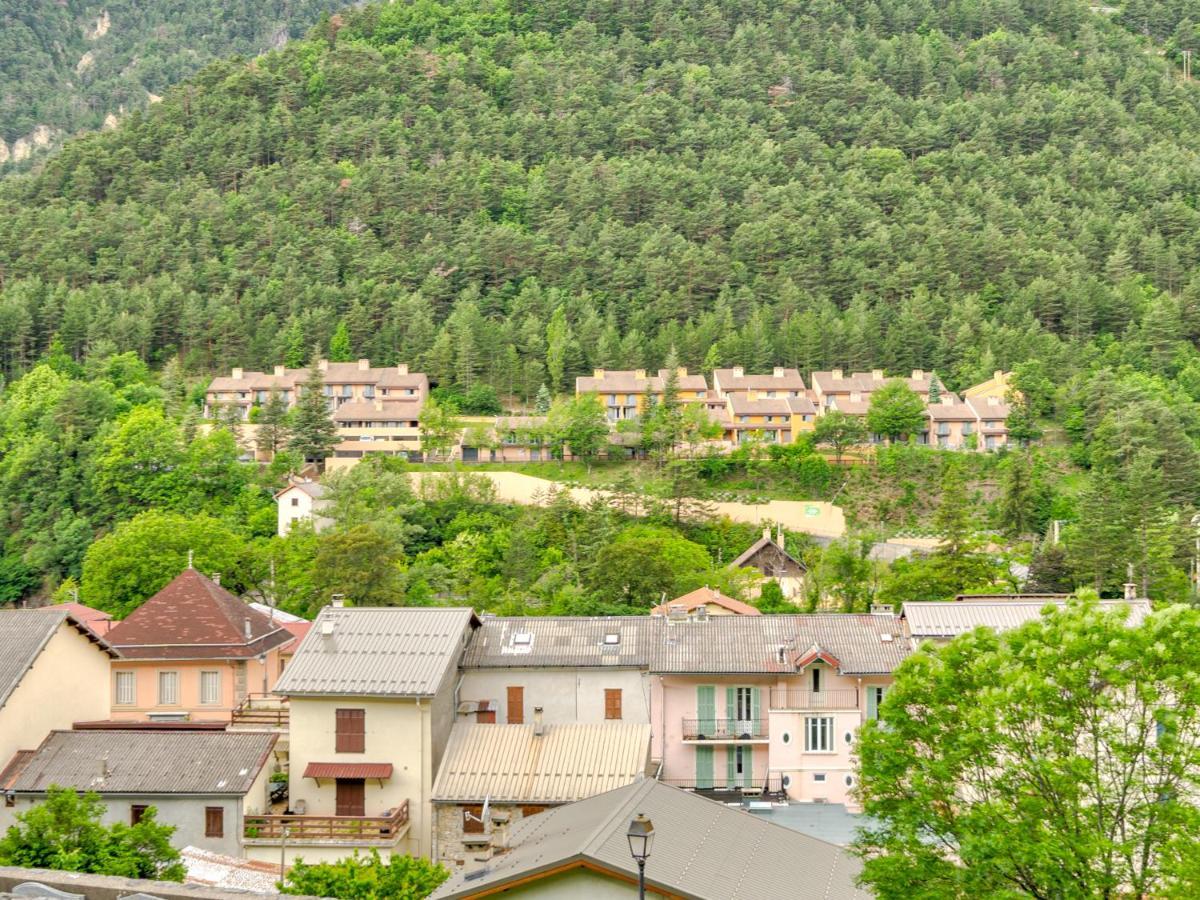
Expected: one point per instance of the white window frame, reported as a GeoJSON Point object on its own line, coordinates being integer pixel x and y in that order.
{"type": "Point", "coordinates": [818, 734]}
{"type": "Point", "coordinates": [216, 693]}
{"type": "Point", "coordinates": [123, 680]}
{"type": "Point", "coordinates": [163, 699]}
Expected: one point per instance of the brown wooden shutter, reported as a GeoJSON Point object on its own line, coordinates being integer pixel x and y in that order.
{"type": "Point", "coordinates": [214, 821]}
{"type": "Point", "coordinates": [351, 735]}
{"type": "Point", "coordinates": [471, 819]}
{"type": "Point", "coordinates": [527, 811]}
{"type": "Point", "coordinates": [612, 703]}
{"type": "Point", "coordinates": [136, 811]}
{"type": "Point", "coordinates": [516, 706]}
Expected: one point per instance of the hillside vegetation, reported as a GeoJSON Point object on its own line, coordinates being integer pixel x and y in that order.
{"type": "Point", "coordinates": [67, 66]}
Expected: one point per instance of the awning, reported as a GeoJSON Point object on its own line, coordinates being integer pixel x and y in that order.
{"type": "Point", "coordinates": [348, 770]}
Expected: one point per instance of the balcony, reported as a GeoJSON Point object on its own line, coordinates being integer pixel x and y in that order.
{"type": "Point", "coordinates": [769, 788]}
{"type": "Point", "coordinates": [727, 731]}
{"type": "Point", "coordinates": [846, 698]}
{"type": "Point", "coordinates": [261, 712]}
{"type": "Point", "coordinates": [352, 831]}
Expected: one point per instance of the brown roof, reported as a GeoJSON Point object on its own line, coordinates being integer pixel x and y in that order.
{"type": "Point", "coordinates": [990, 412]}
{"type": "Point", "coordinates": [96, 620]}
{"type": "Point", "coordinates": [802, 405]}
{"type": "Point", "coordinates": [15, 767]}
{"type": "Point", "coordinates": [625, 381]}
{"type": "Point", "coordinates": [777, 380]}
{"type": "Point", "coordinates": [950, 409]}
{"type": "Point", "coordinates": [335, 373]}
{"type": "Point", "coordinates": [704, 596]}
{"type": "Point", "coordinates": [193, 617]}
{"type": "Point", "coordinates": [766, 541]}
{"type": "Point", "coordinates": [387, 410]}
{"type": "Point", "coordinates": [742, 405]}
{"type": "Point", "coordinates": [348, 770]}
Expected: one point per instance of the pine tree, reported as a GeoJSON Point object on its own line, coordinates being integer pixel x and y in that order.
{"type": "Point", "coordinates": [314, 433]}
{"type": "Point", "coordinates": [952, 520]}
{"type": "Point", "coordinates": [541, 405]}
{"type": "Point", "coordinates": [935, 390]}
{"type": "Point", "coordinates": [339, 345]}
{"type": "Point", "coordinates": [272, 434]}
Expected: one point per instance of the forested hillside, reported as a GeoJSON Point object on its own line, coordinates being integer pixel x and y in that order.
{"type": "Point", "coordinates": [68, 65]}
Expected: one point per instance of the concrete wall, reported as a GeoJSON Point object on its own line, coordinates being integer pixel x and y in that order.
{"type": "Point", "coordinates": [238, 677]}
{"type": "Point", "coordinates": [565, 695]}
{"type": "Point", "coordinates": [111, 887]}
{"type": "Point", "coordinates": [67, 683]}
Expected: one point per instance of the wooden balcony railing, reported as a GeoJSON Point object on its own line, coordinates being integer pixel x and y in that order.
{"type": "Point", "coordinates": [383, 830]}
{"type": "Point", "coordinates": [262, 710]}
{"type": "Point", "coordinates": [842, 698]}
{"type": "Point", "coordinates": [724, 729]}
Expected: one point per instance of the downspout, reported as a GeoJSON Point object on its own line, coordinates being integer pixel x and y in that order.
{"type": "Point", "coordinates": [426, 768]}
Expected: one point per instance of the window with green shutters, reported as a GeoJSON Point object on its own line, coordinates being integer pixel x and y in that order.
{"type": "Point", "coordinates": [706, 709]}
{"type": "Point", "coordinates": [704, 767]}
{"type": "Point", "coordinates": [874, 698]}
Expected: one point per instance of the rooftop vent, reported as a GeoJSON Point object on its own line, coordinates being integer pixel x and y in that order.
{"type": "Point", "coordinates": [885, 637]}
{"type": "Point", "coordinates": [676, 613]}
{"type": "Point", "coordinates": [327, 628]}
{"type": "Point", "coordinates": [882, 609]}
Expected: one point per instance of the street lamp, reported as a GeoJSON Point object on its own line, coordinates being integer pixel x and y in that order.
{"type": "Point", "coordinates": [641, 839]}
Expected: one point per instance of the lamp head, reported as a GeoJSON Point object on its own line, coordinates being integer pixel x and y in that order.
{"type": "Point", "coordinates": [641, 837]}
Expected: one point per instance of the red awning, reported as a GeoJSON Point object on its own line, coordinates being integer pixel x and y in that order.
{"type": "Point", "coordinates": [348, 770]}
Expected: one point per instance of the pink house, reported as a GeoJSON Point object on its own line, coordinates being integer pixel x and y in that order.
{"type": "Point", "coordinates": [751, 705]}
{"type": "Point", "coordinates": [193, 652]}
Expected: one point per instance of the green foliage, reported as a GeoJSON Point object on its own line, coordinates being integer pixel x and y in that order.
{"type": "Point", "coordinates": [896, 411]}
{"type": "Point", "coordinates": [313, 433]}
{"type": "Point", "coordinates": [1073, 728]}
{"type": "Point", "coordinates": [579, 425]}
{"type": "Point", "coordinates": [366, 878]}
{"type": "Point", "coordinates": [645, 563]}
{"type": "Point", "coordinates": [839, 431]}
{"type": "Point", "coordinates": [65, 833]}
{"type": "Point", "coordinates": [439, 429]}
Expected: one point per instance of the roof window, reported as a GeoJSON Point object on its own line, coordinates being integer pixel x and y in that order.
{"type": "Point", "coordinates": [523, 638]}
{"type": "Point", "coordinates": [612, 637]}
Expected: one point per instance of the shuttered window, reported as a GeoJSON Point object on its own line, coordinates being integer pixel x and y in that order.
{"type": "Point", "coordinates": [136, 811]}
{"type": "Point", "coordinates": [214, 821]}
{"type": "Point", "coordinates": [168, 688]}
{"type": "Point", "coordinates": [612, 703]}
{"type": "Point", "coordinates": [516, 705]}
{"type": "Point", "coordinates": [210, 687]}
{"type": "Point", "coordinates": [126, 688]}
{"type": "Point", "coordinates": [351, 735]}
{"type": "Point", "coordinates": [472, 819]}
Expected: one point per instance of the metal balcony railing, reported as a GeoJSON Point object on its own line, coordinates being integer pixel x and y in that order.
{"type": "Point", "coordinates": [715, 729]}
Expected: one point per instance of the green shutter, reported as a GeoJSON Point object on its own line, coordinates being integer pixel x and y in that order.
{"type": "Point", "coordinates": [704, 767]}
{"type": "Point", "coordinates": [730, 767]}
{"type": "Point", "coordinates": [872, 707]}
{"type": "Point", "coordinates": [706, 709]}
{"type": "Point", "coordinates": [730, 710]}
{"type": "Point", "coordinates": [756, 711]}
{"type": "Point", "coordinates": [748, 767]}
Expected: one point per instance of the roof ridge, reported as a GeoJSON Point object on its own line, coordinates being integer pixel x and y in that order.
{"type": "Point", "coordinates": [636, 792]}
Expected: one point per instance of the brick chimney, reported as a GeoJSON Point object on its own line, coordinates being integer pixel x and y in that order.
{"type": "Point", "coordinates": [597, 373]}
{"type": "Point", "coordinates": [877, 374]}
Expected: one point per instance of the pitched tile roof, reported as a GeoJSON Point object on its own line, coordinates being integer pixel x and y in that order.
{"type": "Point", "coordinates": [24, 634]}
{"type": "Point", "coordinates": [703, 596]}
{"type": "Point", "coordinates": [566, 641]}
{"type": "Point", "coordinates": [387, 410]}
{"type": "Point", "coordinates": [776, 380]}
{"type": "Point", "coordinates": [146, 762]}
{"type": "Point", "coordinates": [96, 619]}
{"type": "Point", "coordinates": [934, 619]}
{"type": "Point", "coordinates": [228, 872]}
{"type": "Point", "coordinates": [950, 408]}
{"type": "Point", "coordinates": [511, 763]}
{"type": "Point", "coordinates": [742, 405]}
{"type": "Point", "coordinates": [766, 542]}
{"type": "Point", "coordinates": [193, 617]}
{"type": "Point", "coordinates": [378, 651]}
{"type": "Point", "coordinates": [702, 849]}
{"type": "Point", "coordinates": [626, 381]}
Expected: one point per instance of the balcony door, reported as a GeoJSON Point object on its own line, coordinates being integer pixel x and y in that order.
{"type": "Point", "coordinates": [351, 797]}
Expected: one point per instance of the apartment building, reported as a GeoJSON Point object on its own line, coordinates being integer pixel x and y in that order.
{"type": "Point", "coordinates": [625, 393]}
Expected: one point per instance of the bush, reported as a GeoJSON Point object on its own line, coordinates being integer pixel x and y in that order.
{"type": "Point", "coordinates": [366, 878]}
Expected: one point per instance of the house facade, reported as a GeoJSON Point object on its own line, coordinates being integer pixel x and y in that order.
{"type": "Point", "coordinates": [770, 558]}
{"type": "Point", "coordinates": [300, 500]}
{"type": "Point", "coordinates": [626, 393]}
{"type": "Point", "coordinates": [193, 652]}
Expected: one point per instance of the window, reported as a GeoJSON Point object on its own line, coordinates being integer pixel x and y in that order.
{"type": "Point", "coordinates": [818, 776]}
{"type": "Point", "coordinates": [744, 704]}
{"type": "Point", "coordinates": [214, 821]}
{"type": "Point", "coordinates": [516, 705]}
{"type": "Point", "coordinates": [816, 680]}
{"type": "Point", "coordinates": [874, 698]}
{"type": "Point", "coordinates": [787, 737]}
{"type": "Point", "coordinates": [472, 819]}
{"type": "Point", "coordinates": [522, 639]}
{"type": "Point", "coordinates": [126, 688]}
{"type": "Point", "coordinates": [818, 734]}
{"type": "Point", "coordinates": [210, 687]}
{"type": "Point", "coordinates": [741, 760]}
{"type": "Point", "coordinates": [612, 637]}
{"type": "Point", "coordinates": [136, 811]}
{"type": "Point", "coordinates": [168, 688]}
{"type": "Point", "coordinates": [295, 501]}
{"type": "Point", "coordinates": [612, 703]}
{"type": "Point", "coordinates": [351, 730]}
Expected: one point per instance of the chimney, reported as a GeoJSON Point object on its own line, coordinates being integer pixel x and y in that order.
{"type": "Point", "coordinates": [766, 532]}
{"type": "Point", "coordinates": [877, 374]}
{"type": "Point", "coordinates": [639, 374]}
{"type": "Point", "coordinates": [882, 609]}
{"type": "Point", "coordinates": [539, 727]}
{"type": "Point", "coordinates": [339, 601]}
{"type": "Point", "coordinates": [323, 365]}
{"type": "Point", "coordinates": [779, 535]}
{"type": "Point", "coordinates": [946, 400]}
{"type": "Point", "coordinates": [676, 613]}
{"type": "Point", "coordinates": [837, 374]}
{"type": "Point", "coordinates": [597, 373]}
{"type": "Point", "coordinates": [739, 372]}
{"type": "Point", "coordinates": [105, 771]}
{"type": "Point", "coordinates": [280, 371]}
{"type": "Point", "coordinates": [777, 372]}
{"type": "Point", "coordinates": [237, 374]}
{"type": "Point", "coordinates": [681, 371]}
{"type": "Point", "coordinates": [327, 628]}
{"type": "Point", "coordinates": [247, 630]}
{"type": "Point", "coordinates": [918, 375]}
{"type": "Point", "coordinates": [402, 369]}
{"type": "Point", "coordinates": [998, 375]}
{"type": "Point", "coordinates": [216, 578]}
{"type": "Point", "coordinates": [364, 365]}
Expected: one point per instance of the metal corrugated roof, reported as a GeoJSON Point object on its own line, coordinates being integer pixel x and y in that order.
{"type": "Point", "coordinates": [567, 762]}
{"type": "Point", "coordinates": [24, 634]}
{"type": "Point", "coordinates": [377, 651]}
{"type": "Point", "coordinates": [944, 620]}
{"type": "Point", "coordinates": [140, 762]}
{"type": "Point", "coordinates": [865, 644]}
{"type": "Point", "coordinates": [702, 849]}
{"type": "Point", "coordinates": [549, 641]}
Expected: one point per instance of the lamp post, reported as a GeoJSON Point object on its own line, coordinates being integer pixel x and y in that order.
{"type": "Point", "coordinates": [641, 839]}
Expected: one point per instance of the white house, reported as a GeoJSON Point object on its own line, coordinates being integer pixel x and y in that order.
{"type": "Point", "coordinates": [302, 500]}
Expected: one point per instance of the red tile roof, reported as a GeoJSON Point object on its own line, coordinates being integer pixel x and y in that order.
{"type": "Point", "coordinates": [348, 770]}
{"type": "Point", "coordinates": [702, 597]}
{"type": "Point", "coordinates": [193, 617]}
{"type": "Point", "coordinates": [95, 619]}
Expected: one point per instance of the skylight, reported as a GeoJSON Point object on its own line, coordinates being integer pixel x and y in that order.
{"type": "Point", "coordinates": [523, 638]}
{"type": "Point", "coordinates": [612, 637]}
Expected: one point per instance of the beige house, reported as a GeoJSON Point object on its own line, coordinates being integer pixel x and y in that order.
{"type": "Point", "coordinates": [302, 499]}
{"type": "Point", "coordinates": [372, 696]}
{"type": "Point", "coordinates": [780, 383]}
{"type": "Point", "coordinates": [997, 386]}
{"type": "Point", "coordinates": [835, 383]}
{"type": "Point", "coordinates": [495, 775]}
{"type": "Point", "coordinates": [41, 648]}
{"type": "Point", "coordinates": [705, 601]}
{"type": "Point", "coordinates": [625, 393]}
{"type": "Point", "coordinates": [769, 557]}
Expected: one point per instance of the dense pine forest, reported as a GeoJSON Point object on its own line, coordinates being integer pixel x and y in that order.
{"type": "Point", "coordinates": [509, 194]}
{"type": "Point", "coordinates": [67, 66]}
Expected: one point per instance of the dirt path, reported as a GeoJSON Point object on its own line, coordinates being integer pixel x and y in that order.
{"type": "Point", "coordinates": [810, 516]}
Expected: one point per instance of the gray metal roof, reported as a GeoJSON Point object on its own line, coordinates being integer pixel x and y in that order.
{"type": "Point", "coordinates": [864, 644]}
{"type": "Point", "coordinates": [702, 849]}
{"type": "Point", "coordinates": [141, 762]}
{"type": "Point", "coordinates": [378, 651]}
{"type": "Point", "coordinates": [946, 620]}
{"type": "Point", "coordinates": [566, 762]}
{"type": "Point", "coordinates": [549, 641]}
{"type": "Point", "coordinates": [24, 634]}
